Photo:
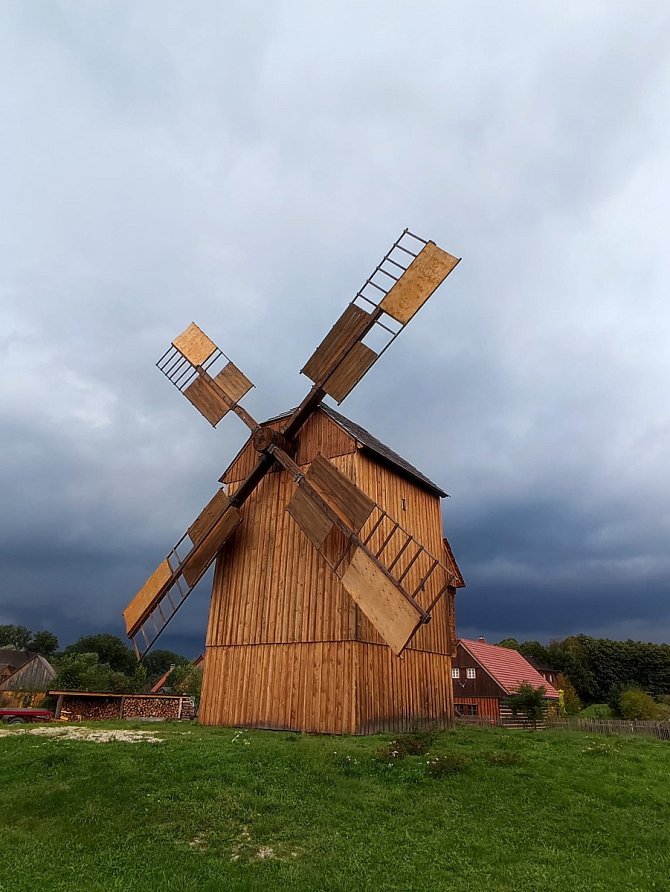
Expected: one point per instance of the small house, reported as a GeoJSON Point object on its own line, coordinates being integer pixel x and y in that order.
{"type": "Point", "coordinates": [24, 671]}
{"type": "Point", "coordinates": [546, 671]}
{"type": "Point", "coordinates": [484, 676]}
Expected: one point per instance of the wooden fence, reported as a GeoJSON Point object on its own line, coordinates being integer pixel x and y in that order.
{"type": "Point", "coordinates": [659, 730]}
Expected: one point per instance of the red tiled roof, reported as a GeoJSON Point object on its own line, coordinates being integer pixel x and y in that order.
{"type": "Point", "coordinates": [508, 667]}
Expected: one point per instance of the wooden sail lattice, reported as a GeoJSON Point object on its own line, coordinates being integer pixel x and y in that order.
{"type": "Point", "coordinates": [394, 579]}
{"type": "Point", "coordinates": [392, 294]}
{"type": "Point", "coordinates": [177, 575]}
{"type": "Point", "coordinates": [203, 373]}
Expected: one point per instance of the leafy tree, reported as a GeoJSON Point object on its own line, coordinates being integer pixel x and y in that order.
{"type": "Point", "coordinates": [109, 648]}
{"type": "Point", "coordinates": [529, 701]}
{"type": "Point", "coordinates": [157, 662]}
{"type": "Point", "coordinates": [635, 704]}
{"type": "Point", "coordinates": [571, 704]}
{"type": "Point", "coordinates": [535, 651]}
{"type": "Point", "coordinates": [45, 643]}
{"type": "Point", "coordinates": [139, 683]}
{"type": "Point", "coordinates": [187, 679]}
{"type": "Point", "coordinates": [509, 643]}
{"type": "Point", "coordinates": [83, 672]}
{"type": "Point", "coordinates": [17, 637]}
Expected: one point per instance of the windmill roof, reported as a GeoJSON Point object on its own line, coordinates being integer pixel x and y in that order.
{"type": "Point", "coordinates": [507, 667]}
{"type": "Point", "coordinates": [372, 444]}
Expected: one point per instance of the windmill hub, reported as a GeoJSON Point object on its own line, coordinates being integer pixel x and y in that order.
{"type": "Point", "coordinates": [265, 437]}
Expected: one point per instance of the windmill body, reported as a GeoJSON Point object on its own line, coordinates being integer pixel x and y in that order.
{"type": "Point", "coordinates": [287, 647]}
{"type": "Point", "coordinates": [333, 597]}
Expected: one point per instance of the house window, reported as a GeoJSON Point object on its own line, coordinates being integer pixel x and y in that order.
{"type": "Point", "coordinates": [466, 709]}
{"type": "Point", "coordinates": [455, 673]}
{"type": "Point", "coordinates": [470, 673]}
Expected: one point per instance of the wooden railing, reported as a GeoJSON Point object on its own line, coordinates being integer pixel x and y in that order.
{"type": "Point", "coordinates": [659, 730]}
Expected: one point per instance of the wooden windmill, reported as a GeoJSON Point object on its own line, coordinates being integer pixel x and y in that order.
{"type": "Point", "coordinates": [319, 587]}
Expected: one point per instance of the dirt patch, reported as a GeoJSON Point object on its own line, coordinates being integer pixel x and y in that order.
{"type": "Point", "coordinates": [245, 849]}
{"type": "Point", "coordinates": [87, 734]}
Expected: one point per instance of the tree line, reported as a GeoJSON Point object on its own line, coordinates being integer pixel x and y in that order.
{"type": "Point", "coordinates": [102, 662]}
{"type": "Point", "coordinates": [603, 671]}
{"type": "Point", "coordinates": [594, 670]}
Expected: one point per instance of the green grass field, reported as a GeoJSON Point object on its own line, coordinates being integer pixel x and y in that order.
{"type": "Point", "coordinates": [218, 809]}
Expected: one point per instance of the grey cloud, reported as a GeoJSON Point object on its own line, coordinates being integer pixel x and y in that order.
{"type": "Point", "coordinates": [246, 167]}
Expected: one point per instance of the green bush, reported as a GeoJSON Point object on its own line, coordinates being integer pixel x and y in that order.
{"type": "Point", "coordinates": [528, 701]}
{"type": "Point", "coordinates": [389, 753]}
{"type": "Point", "coordinates": [569, 702]}
{"type": "Point", "coordinates": [636, 705]}
{"type": "Point", "coordinates": [504, 759]}
{"type": "Point", "coordinates": [414, 743]}
{"type": "Point", "coordinates": [448, 763]}
{"type": "Point", "coordinates": [598, 748]}
{"type": "Point", "coordinates": [597, 711]}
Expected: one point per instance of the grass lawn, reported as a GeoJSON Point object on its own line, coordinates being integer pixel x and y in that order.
{"type": "Point", "coordinates": [218, 809]}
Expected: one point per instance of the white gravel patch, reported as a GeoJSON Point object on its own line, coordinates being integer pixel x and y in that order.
{"type": "Point", "coordinates": [88, 734]}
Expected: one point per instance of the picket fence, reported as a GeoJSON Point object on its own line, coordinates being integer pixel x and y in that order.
{"type": "Point", "coordinates": [659, 730]}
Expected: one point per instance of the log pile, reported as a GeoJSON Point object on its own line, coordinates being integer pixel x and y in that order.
{"type": "Point", "coordinates": [80, 706]}
{"type": "Point", "coordinates": [151, 707]}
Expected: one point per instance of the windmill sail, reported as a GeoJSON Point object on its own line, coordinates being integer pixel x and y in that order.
{"type": "Point", "coordinates": [399, 286]}
{"type": "Point", "coordinates": [176, 576]}
{"type": "Point", "coordinates": [205, 375]}
{"type": "Point", "coordinates": [384, 569]}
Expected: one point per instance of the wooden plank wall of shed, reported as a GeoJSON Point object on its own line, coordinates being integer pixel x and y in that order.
{"type": "Point", "coordinates": [280, 641]}
{"type": "Point", "coordinates": [487, 707]}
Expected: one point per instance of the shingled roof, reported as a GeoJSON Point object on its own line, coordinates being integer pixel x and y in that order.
{"type": "Point", "coordinates": [371, 444]}
{"type": "Point", "coordinates": [507, 667]}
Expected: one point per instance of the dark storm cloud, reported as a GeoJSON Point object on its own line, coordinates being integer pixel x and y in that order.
{"type": "Point", "coordinates": [246, 167]}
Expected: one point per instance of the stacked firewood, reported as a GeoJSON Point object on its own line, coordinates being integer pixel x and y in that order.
{"type": "Point", "coordinates": [151, 707]}
{"type": "Point", "coordinates": [92, 707]}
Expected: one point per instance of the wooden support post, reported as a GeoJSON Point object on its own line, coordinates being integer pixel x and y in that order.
{"type": "Point", "coordinates": [59, 706]}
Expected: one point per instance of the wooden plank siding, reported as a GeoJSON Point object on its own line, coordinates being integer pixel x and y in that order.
{"type": "Point", "coordinates": [487, 707]}
{"type": "Point", "coordinates": [483, 685]}
{"type": "Point", "coordinates": [287, 647]}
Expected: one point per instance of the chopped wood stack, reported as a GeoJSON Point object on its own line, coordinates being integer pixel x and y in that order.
{"type": "Point", "coordinates": [152, 707]}
{"type": "Point", "coordinates": [80, 705]}
{"type": "Point", "coordinates": [79, 708]}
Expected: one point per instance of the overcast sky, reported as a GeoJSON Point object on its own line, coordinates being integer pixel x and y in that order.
{"type": "Point", "coordinates": [246, 165]}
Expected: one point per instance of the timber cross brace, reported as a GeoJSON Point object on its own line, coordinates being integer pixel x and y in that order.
{"type": "Point", "coordinates": [385, 576]}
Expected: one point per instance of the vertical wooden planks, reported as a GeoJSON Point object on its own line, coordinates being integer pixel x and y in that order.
{"type": "Point", "coordinates": [286, 645]}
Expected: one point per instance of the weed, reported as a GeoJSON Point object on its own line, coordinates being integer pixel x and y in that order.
{"type": "Point", "coordinates": [504, 759]}
{"type": "Point", "coordinates": [448, 763]}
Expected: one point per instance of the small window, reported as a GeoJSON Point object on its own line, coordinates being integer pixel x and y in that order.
{"type": "Point", "coordinates": [455, 673]}
{"type": "Point", "coordinates": [466, 709]}
{"type": "Point", "coordinates": [471, 673]}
